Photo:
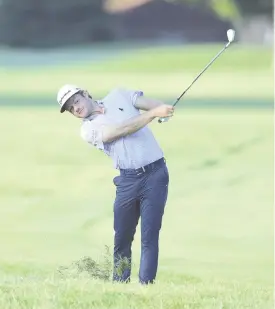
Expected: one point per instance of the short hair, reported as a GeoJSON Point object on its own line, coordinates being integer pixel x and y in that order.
{"type": "Point", "coordinates": [82, 93]}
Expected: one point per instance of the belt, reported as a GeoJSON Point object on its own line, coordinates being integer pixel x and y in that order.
{"type": "Point", "coordinates": [144, 169]}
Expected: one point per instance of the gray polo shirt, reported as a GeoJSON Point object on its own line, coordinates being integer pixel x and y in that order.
{"type": "Point", "coordinates": [132, 151]}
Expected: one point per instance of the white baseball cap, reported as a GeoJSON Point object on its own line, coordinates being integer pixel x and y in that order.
{"type": "Point", "coordinates": [65, 93]}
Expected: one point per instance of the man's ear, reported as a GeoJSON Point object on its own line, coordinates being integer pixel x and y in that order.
{"type": "Point", "coordinates": [85, 94]}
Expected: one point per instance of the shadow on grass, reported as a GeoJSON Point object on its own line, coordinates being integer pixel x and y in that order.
{"type": "Point", "coordinates": [229, 151]}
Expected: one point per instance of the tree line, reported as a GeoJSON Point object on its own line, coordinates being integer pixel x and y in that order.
{"type": "Point", "coordinates": [51, 23]}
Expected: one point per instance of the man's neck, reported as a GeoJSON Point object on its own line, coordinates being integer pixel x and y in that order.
{"type": "Point", "coordinates": [96, 110]}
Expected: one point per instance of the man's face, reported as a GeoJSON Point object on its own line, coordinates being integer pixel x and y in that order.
{"type": "Point", "coordinates": [79, 105]}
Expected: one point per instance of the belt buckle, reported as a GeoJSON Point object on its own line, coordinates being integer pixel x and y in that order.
{"type": "Point", "coordinates": [143, 169]}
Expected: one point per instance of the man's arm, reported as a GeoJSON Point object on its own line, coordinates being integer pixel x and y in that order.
{"type": "Point", "coordinates": [147, 104]}
{"type": "Point", "coordinates": [113, 132]}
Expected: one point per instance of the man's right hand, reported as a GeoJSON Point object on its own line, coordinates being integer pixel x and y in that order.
{"type": "Point", "coordinates": [163, 111]}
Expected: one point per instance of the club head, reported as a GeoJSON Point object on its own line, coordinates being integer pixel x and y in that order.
{"type": "Point", "coordinates": [230, 35]}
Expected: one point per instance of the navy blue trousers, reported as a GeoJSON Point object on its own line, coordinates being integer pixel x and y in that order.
{"type": "Point", "coordinates": [140, 194]}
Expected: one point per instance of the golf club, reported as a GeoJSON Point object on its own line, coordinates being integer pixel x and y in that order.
{"type": "Point", "coordinates": [230, 37]}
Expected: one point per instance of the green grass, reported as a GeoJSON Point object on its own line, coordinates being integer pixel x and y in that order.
{"type": "Point", "coordinates": [211, 85]}
{"type": "Point", "coordinates": [56, 195]}
{"type": "Point", "coordinates": [81, 293]}
{"type": "Point", "coordinates": [241, 73]}
{"type": "Point", "coordinates": [188, 58]}
{"type": "Point", "coordinates": [147, 59]}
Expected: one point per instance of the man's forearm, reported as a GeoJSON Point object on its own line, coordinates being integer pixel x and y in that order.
{"type": "Point", "coordinates": [127, 127]}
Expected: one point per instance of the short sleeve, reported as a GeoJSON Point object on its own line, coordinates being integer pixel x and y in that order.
{"type": "Point", "coordinates": [91, 132]}
{"type": "Point", "coordinates": [135, 95]}
{"type": "Point", "coordinates": [131, 95]}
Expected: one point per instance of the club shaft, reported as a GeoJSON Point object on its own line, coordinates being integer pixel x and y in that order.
{"type": "Point", "coordinates": [197, 77]}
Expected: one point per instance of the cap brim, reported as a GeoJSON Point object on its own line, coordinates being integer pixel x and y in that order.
{"type": "Point", "coordinates": [63, 108]}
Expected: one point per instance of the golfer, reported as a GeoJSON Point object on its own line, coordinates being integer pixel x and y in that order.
{"type": "Point", "coordinates": [116, 126]}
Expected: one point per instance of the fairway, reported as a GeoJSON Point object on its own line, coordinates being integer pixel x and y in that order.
{"type": "Point", "coordinates": [241, 73]}
{"type": "Point", "coordinates": [56, 193]}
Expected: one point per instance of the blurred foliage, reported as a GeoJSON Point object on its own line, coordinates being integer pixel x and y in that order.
{"type": "Point", "coordinates": [236, 8]}
{"type": "Point", "coordinates": [255, 7]}
{"type": "Point", "coordinates": [39, 23]}
{"type": "Point", "coordinates": [225, 8]}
